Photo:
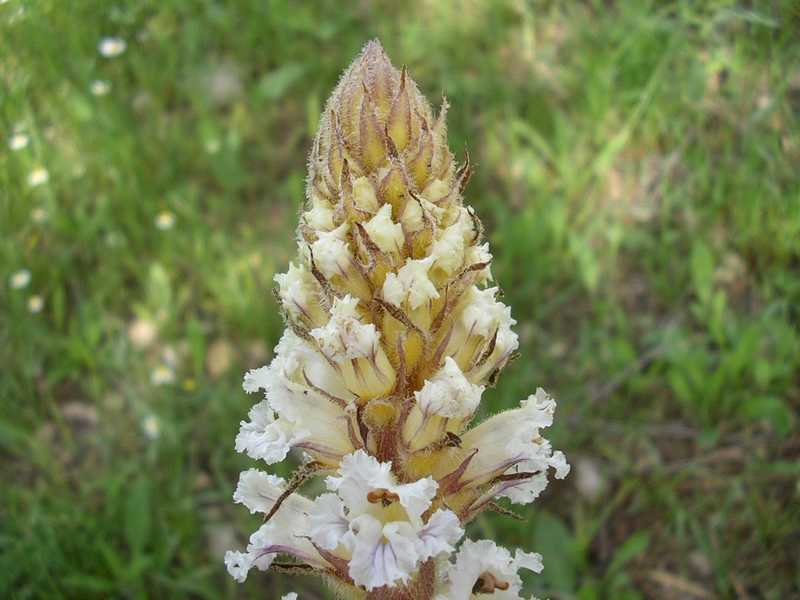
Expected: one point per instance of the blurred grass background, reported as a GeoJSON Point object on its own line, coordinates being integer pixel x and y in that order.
{"type": "Point", "coordinates": [638, 181]}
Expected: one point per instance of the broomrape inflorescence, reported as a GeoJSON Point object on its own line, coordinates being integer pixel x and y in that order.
{"type": "Point", "coordinates": [392, 335]}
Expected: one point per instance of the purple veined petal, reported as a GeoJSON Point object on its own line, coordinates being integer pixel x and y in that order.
{"type": "Point", "coordinates": [382, 554]}
{"type": "Point", "coordinates": [265, 437]}
{"type": "Point", "coordinates": [439, 534]}
{"type": "Point", "coordinates": [328, 524]}
{"type": "Point", "coordinates": [507, 438]}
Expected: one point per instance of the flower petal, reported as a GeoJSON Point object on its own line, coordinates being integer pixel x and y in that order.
{"type": "Point", "coordinates": [511, 437]}
{"type": "Point", "coordinates": [265, 437]}
{"type": "Point", "coordinates": [238, 564]}
{"type": "Point", "coordinates": [383, 554]}
{"type": "Point", "coordinates": [258, 490]}
{"type": "Point", "coordinates": [449, 394]}
{"type": "Point", "coordinates": [359, 474]}
{"type": "Point", "coordinates": [329, 526]}
{"type": "Point", "coordinates": [476, 559]}
{"type": "Point", "coordinates": [439, 534]}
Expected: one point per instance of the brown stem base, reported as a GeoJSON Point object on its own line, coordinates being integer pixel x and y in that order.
{"type": "Point", "coordinates": [420, 588]}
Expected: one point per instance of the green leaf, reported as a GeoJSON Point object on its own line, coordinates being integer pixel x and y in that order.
{"type": "Point", "coordinates": [197, 345]}
{"type": "Point", "coordinates": [589, 591]}
{"type": "Point", "coordinates": [111, 556]}
{"type": "Point", "coordinates": [560, 569]}
{"type": "Point", "coordinates": [708, 436]}
{"type": "Point", "coordinates": [14, 439]}
{"type": "Point", "coordinates": [89, 583]}
{"type": "Point", "coordinates": [701, 264]}
{"type": "Point", "coordinates": [771, 408]}
{"type": "Point", "coordinates": [680, 386]}
{"type": "Point", "coordinates": [59, 302]}
{"type": "Point", "coordinates": [631, 548]}
{"type": "Point", "coordinates": [137, 566]}
{"type": "Point", "coordinates": [275, 84]}
{"type": "Point", "coordinates": [137, 516]}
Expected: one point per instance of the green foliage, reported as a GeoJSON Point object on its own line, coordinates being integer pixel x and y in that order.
{"type": "Point", "coordinates": [637, 181]}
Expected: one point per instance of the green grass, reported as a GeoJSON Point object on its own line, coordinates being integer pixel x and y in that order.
{"type": "Point", "coordinates": [637, 178]}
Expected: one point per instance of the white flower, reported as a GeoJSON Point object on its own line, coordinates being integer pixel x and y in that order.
{"type": "Point", "coordinates": [378, 522]}
{"type": "Point", "coordinates": [345, 337]}
{"type": "Point", "coordinates": [290, 596]}
{"type": "Point", "coordinates": [20, 279]}
{"type": "Point", "coordinates": [286, 533]}
{"type": "Point", "coordinates": [448, 393]}
{"type": "Point", "coordinates": [238, 564]}
{"type": "Point", "coordinates": [151, 427]}
{"type": "Point", "coordinates": [99, 87]}
{"type": "Point", "coordinates": [259, 491]}
{"type": "Point", "coordinates": [331, 254]}
{"type": "Point", "coordinates": [307, 418]}
{"type": "Point", "coordinates": [483, 314]}
{"type": "Point", "coordinates": [18, 141]}
{"type": "Point", "coordinates": [38, 214]}
{"type": "Point", "coordinates": [142, 333]}
{"type": "Point", "coordinates": [411, 284]}
{"type": "Point", "coordinates": [354, 349]}
{"type": "Point", "coordinates": [320, 217]}
{"type": "Point", "coordinates": [264, 436]}
{"type": "Point", "coordinates": [297, 294]}
{"type": "Point", "coordinates": [477, 255]}
{"type": "Point", "coordinates": [35, 304]}
{"type": "Point", "coordinates": [162, 375]}
{"type": "Point", "coordinates": [446, 402]}
{"type": "Point", "coordinates": [489, 568]}
{"type": "Point", "coordinates": [386, 234]}
{"type": "Point", "coordinates": [509, 442]}
{"type": "Point", "coordinates": [38, 176]}
{"type": "Point", "coordinates": [483, 317]}
{"type": "Point", "coordinates": [165, 220]}
{"type": "Point", "coordinates": [448, 248]}
{"type": "Point", "coordinates": [110, 47]}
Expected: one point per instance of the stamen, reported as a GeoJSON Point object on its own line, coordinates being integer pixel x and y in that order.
{"type": "Point", "coordinates": [488, 583]}
{"type": "Point", "coordinates": [383, 496]}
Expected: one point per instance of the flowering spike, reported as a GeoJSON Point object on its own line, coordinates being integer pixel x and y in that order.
{"type": "Point", "coordinates": [393, 333]}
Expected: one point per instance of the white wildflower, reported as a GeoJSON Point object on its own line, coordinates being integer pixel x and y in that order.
{"type": "Point", "coordinates": [151, 427]}
{"type": "Point", "coordinates": [18, 141]}
{"type": "Point", "coordinates": [35, 304]}
{"type": "Point", "coordinates": [411, 285]}
{"type": "Point", "coordinates": [485, 570]}
{"type": "Point", "coordinates": [111, 47]}
{"type": "Point", "coordinates": [165, 220]}
{"type": "Point", "coordinates": [378, 523]}
{"type": "Point", "coordinates": [38, 177]}
{"type": "Point", "coordinates": [38, 214]}
{"type": "Point", "coordinates": [20, 279]}
{"type": "Point", "coordinates": [100, 87]}
{"type": "Point", "coordinates": [162, 375]}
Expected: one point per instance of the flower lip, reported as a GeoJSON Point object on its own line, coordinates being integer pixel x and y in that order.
{"type": "Point", "coordinates": [378, 522]}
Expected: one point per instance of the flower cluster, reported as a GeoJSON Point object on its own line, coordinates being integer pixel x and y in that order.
{"type": "Point", "coordinates": [392, 335]}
